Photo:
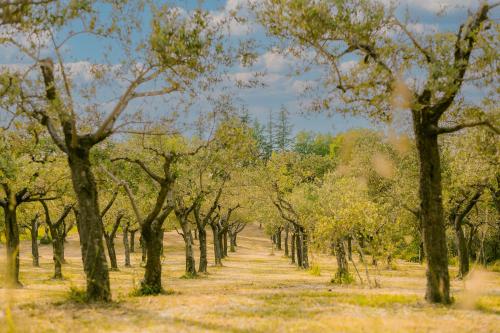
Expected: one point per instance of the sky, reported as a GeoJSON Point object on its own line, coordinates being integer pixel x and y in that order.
{"type": "Point", "coordinates": [281, 87]}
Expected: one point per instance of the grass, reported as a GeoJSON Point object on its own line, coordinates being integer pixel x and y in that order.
{"type": "Point", "coordinates": [252, 292]}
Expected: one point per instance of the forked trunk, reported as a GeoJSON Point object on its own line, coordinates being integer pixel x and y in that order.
{"type": "Point", "coordinates": [431, 208]}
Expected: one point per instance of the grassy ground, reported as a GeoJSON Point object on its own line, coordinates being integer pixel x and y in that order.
{"type": "Point", "coordinates": [254, 292]}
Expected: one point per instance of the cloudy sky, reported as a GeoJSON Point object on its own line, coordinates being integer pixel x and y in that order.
{"type": "Point", "coordinates": [281, 88]}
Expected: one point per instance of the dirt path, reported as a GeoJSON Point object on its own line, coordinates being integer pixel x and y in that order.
{"type": "Point", "coordinates": [253, 292]}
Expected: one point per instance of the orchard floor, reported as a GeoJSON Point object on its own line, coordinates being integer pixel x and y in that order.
{"type": "Point", "coordinates": [254, 292]}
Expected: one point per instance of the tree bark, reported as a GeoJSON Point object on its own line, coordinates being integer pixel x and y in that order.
{"type": "Point", "coordinates": [278, 239]}
{"type": "Point", "coordinates": [144, 253]}
{"type": "Point", "coordinates": [34, 242]}
{"type": "Point", "coordinates": [132, 240]}
{"type": "Point", "coordinates": [89, 224]}
{"type": "Point", "coordinates": [431, 208]}
{"type": "Point", "coordinates": [342, 266]}
{"type": "Point", "coordinates": [224, 244]}
{"type": "Point", "coordinates": [202, 237]}
{"type": "Point", "coordinates": [126, 245]}
{"type": "Point", "coordinates": [298, 247]}
{"type": "Point", "coordinates": [232, 242]}
{"type": "Point", "coordinates": [463, 252]}
{"type": "Point", "coordinates": [292, 247]}
{"type": "Point", "coordinates": [287, 253]}
{"type": "Point", "coordinates": [217, 245]}
{"type": "Point", "coordinates": [190, 262]}
{"type": "Point", "coordinates": [110, 244]}
{"type": "Point", "coordinates": [12, 246]}
{"type": "Point", "coordinates": [349, 248]}
{"type": "Point", "coordinates": [153, 243]}
{"type": "Point", "coordinates": [57, 251]}
{"type": "Point", "coordinates": [305, 250]}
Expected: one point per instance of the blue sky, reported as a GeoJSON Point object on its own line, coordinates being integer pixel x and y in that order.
{"type": "Point", "coordinates": [281, 88]}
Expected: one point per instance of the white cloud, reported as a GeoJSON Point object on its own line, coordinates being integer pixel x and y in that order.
{"type": "Point", "coordinates": [432, 5]}
{"type": "Point", "coordinates": [237, 16]}
{"type": "Point", "coordinates": [347, 65]}
{"type": "Point", "coordinates": [274, 62]}
{"type": "Point", "coordinates": [423, 28]}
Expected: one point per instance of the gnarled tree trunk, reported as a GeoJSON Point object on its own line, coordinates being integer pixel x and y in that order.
{"type": "Point", "coordinates": [342, 266]}
{"type": "Point", "coordinates": [126, 245]}
{"type": "Point", "coordinates": [34, 241]}
{"type": "Point", "coordinates": [153, 243]}
{"type": "Point", "coordinates": [89, 224]}
{"type": "Point", "coordinates": [12, 246]}
{"type": "Point", "coordinates": [202, 236]}
{"type": "Point", "coordinates": [430, 192]}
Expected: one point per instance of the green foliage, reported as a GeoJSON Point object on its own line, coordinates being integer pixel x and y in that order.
{"type": "Point", "coordinates": [315, 270]}
{"type": "Point", "coordinates": [343, 279]}
{"type": "Point", "coordinates": [77, 295]}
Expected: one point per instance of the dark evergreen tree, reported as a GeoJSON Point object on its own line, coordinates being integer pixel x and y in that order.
{"type": "Point", "coordinates": [283, 133]}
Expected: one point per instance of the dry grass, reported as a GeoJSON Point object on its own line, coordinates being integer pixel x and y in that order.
{"type": "Point", "coordinates": [253, 292]}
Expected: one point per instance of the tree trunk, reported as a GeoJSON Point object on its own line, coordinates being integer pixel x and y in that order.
{"type": "Point", "coordinates": [187, 236]}
{"type": "Point", "coordinates": [224, 244]}
{"type": "Point", "coordinates": [342, 274]}
{"type": "Point", "coordinates": [421, 252]}
{"type": "Point", "coordinates": [144, 254]}
{"type": "Point", "coordinates": [202, 236]}
{"type": "Point", "coordinates": [34, 242]}
{"type": "Point", "coordinates": [126, 246]}
{"type": "Point", "coordinates": [431, 208]}
{"type": "Point", "coordinates": [292, 247]}
{"type": "Point", "coordinates": [110, 244]}
{"type": "Point", "coordinates": [463, 252]}
{"type": "Point", "coordinates": [305, 250]}
{"type": "Point", "coordinates": [152, 236]}
{"type": "Point", "coordinates": [298, 247]}
{"type": "Point", "coordinates": [278, 239]}
{"type": "Point", "coordinates": [286, 241]}
{"type": "Point", "coordinates": [57, 251]}
{"type": "Point", "coordinates": [190, 262]}
{"type": "Point", "coordinates": [232, 242]}
{"type": "Point", "coordinates": [89, 224]}
{"type": "Point", "coordinates": [349, 248]}
{"type": "Point", "coordinates": [132, 241]}
{"type": "Point", "coordinates": [12, 245]}
{"type": "Point", "coordinates": [217, 247]}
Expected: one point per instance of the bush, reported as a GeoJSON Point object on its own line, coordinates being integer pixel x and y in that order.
{"type": "Point", "coordinates": [315, 270]}
{"type": "Point", "coordinates": [77, 295]}
{"type": "Point", "coordinates": [344, 278]}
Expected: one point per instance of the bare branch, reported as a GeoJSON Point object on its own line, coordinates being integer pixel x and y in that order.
{"type": "Point", "coordinates": [443, 130]}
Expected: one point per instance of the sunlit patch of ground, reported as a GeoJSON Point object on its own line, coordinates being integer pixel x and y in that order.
{"type": "Point", "coordinates": [254, 292]}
